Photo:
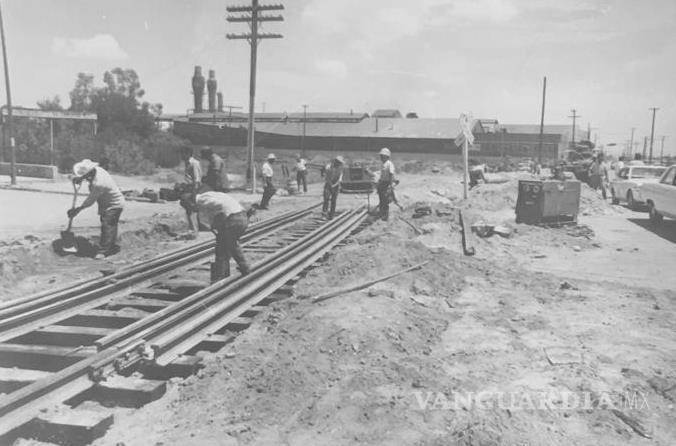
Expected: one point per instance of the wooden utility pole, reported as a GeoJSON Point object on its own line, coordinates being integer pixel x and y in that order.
{"type": "Point", "coordinates": [645, 146]}
{"type": "Point", "coordinates": [250, 15]}
{"type": "Point", "coordinates": [662, 150]}
{"type": "Point", "coordinates": [652, 134]}
{"type": "Point", "coordinates": [574, 116]}
{"type": "Point", "coordinates": [631, 142]}
{"type": "Point", "coordinates": [302, 139]}
{"type": "Point", "coordinates": [542, 119]}
{"type": "Point", "coordinates": [9, 123]}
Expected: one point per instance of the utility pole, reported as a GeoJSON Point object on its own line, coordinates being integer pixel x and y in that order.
{"type": "Point", "coordinates": [652, 134]}
{"type": "Point", "coordinates": [588, 131]}
{"type": "Point", "coordinates": [250, 15]}
{"type": "Point", "coordinates": [631, 143]}
{"type": "Point", "coordinates": [9, 123]}
{"type": "Point", "coordinates": [302, 139]}
{"type": "Point", "coordinates": [645, 146]}
{"type": "Point", "coordinates": [574, 116]}
{"type": "Point", "coordinates": [662, 150]}
{"type": "Point", "coordinates": [542, 119]}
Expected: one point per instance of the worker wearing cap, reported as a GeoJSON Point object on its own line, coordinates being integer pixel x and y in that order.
{"type": "Point", "coordinates": [301, 172]}
{"type": "Point", "coordinates": [332, 180]}
{"type": "Point", "coordinates": [192, 182]}
{"type": "Point", "coordinates": [385, 183]}
{"type": "Point", "coordinates": [216, 177]}
{"type": "Point", "coordinates": [104, 192]}
{"type": "Point", "coordinates": [226, 217]}
{"type": "Point", "coordinates": [268, 187]}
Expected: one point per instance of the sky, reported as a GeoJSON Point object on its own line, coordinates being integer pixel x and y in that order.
{"type": "Point", "coordinates": [611, 60]}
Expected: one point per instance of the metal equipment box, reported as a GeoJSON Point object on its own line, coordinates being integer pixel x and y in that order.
{"type": "Point", "coordinates": [547, 202]}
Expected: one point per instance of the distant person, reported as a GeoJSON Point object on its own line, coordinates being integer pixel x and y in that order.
{"type": "Point", "coordinates": [619, 166]}
{"type": "Point", "coordinates": [104, 192]}
{"type": "Point", "coordinates": [385, 183]}
{"type": "Point", "coordinates": [301, 173]}
{"type": "Point", "coordinates": [192, 182]}
{"type": "Point", "coordinates": [268, 188]}
{"type": "Point", "coordinates": [598, 174]}
{"type": "Point", "coordinates": [226, 217]}
{"type": "Point", "coordinates": [332, 180]}
{"type": "Point", "coordinates": [216, 177]}
{"type": "Point", "coordinates": [476, 173]}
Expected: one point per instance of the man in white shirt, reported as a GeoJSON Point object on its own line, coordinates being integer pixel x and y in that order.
{"type": "Point", "coordinates": [332, 180]}
{"type": "Point", "coordinates": [226, 217]}
{"type": "Point", "coordinates": [193, 179]}
{"type": "Point", "coordinates": [268, 188]}
{"type": "Point", "coordinates": [301, 173]}
{"type": "Point", "coordinates": [385, 183]}
{"type": "Point", "coordinates": [104, 192]}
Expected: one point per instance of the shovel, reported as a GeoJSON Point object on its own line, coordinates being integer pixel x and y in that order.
{"type": "Point", "coordinates": [68, 238]}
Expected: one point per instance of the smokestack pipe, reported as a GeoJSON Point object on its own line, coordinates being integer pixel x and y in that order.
{"type": "Point", "coordinates": [198, 88]}
{"type": "Point", "coordinates": [212, 86]}
{"type": "Point", "coordinates": [219, 97]}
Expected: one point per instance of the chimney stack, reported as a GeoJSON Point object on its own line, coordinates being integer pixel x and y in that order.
{"type": "Point", "coordinates": [212, 86]}
{"type": "Point", "coordinates": [219, 98]}
{"type": "Point", "coordinates": [198, 88]}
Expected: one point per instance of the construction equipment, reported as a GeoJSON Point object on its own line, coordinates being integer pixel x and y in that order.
{"type": "Point", "coordinates": [69, 243]}
{"type": "Point", "coordinates": [548, 202]}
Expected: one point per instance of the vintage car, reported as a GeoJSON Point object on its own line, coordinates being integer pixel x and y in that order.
{"type": "Point", "coordinates": [661, 196]}
{"type": "Point", "coordinates": [628, 182]}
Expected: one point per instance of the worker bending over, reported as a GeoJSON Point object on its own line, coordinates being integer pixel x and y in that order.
{"type": "Point", "coordinates": [192, 182]}
{"type": "Point", "coordinates": [268, 188]}
{"type": "Point", "coordinates": [301, 173]}
{"type": "Point", "coordinates": [385, 184]}
{"type": "Point", "coordinates": [104, 192]}
{"type": "Point", "coordinates": [228, 220]}
{"type": "Point", "coordinates": [216, 177]}
{"type": "Point", "coordinates": [332, 180]}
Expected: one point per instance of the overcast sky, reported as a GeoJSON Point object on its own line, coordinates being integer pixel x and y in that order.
{"type": "Point", "coordinates": [611, 60]}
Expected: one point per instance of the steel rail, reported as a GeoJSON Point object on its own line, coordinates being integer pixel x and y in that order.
{"type": "Point", "coordinates": [266, 274]}
{"type": "Point", "coordinates": [20, 314]}
{"type": "Point", "coordinates": [88, 284]}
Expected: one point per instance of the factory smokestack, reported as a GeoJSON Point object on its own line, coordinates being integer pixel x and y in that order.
{"type": "Point", "coordinates": [219, 97]}
{"type": "Point", "coordinates": [198, 88]}
{"type": "Point", "coordinates": [212, 85]}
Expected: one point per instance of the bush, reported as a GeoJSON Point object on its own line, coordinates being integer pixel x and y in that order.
{"type": "Point", "coordinates": [126, 156]}
{"type": "Point", "coordinates": [164, 148]}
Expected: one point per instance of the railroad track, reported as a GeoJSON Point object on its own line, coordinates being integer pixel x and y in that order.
{"type": "Point", "coordinates": [117, 339]}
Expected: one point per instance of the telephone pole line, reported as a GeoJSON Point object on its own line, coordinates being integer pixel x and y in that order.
{"type": "Point", "coordinates": [662, 150]}
{"type": "Point", "coordinates": [652, 134]}
{"type": "Point", "coordinates": [302, 140]}
{"type": "Point", "coordinates": [542, 119]}
{"type": "Point", "coordinates": [574, 116]}
{"type": "Point", "coordinates": [252, 15]}
{"type": "Point", "coordinates": [9, 124]}
{"type": "Point", "coordinates": [631, 143]}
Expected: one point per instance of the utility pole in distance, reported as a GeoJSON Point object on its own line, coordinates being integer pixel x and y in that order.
{"type": "Point", "coordinates": [574, 116]}
{"type": "Point", "coordinates": [652, 134]}
{"type": "Point", "coordinates": [631, 142]}
{"type": "Point", "coordinates": [250, 15]}
{"type": "Point", "coordinates": [662, 150]}
{"type": "Point", "coordinates": [9, 124]}
{"type": "Point", "coordinates": [302, 139]}
{"type": "Point", "coordinates": [542, 119]}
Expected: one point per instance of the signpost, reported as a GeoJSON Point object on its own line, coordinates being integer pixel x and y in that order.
{"type": "Point", "coordinates": [465, 138]}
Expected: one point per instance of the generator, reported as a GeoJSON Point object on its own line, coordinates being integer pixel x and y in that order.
{"type": "Point", "coordinates": [548, 202]}
{"type": "Point", "coordinates": [357, 179]}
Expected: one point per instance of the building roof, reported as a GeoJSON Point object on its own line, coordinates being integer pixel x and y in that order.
{"type": "Point", "coordinates": [22, 112]}
{"type": "Point", "coordinates": [277, 117]}
{"type": "Point", "coordinates": [558, 129]}
{"type": "Point", "coordinates": [387, 113]}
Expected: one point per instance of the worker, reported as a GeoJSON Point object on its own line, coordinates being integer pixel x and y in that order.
{"type": "Point", "coordinates": [216, 177]}
{"type": "Point", "coordinates": [385, 183]}
{"type": "Point", "coordinates": [104, 192]}
{"type": "Point", "coordinates": [192, 182]}
{"type": "Point", "coordinates": [332, 180]}
{"type": "Point", "coordinates": [476, 173]}
{"type": "Point", "coordinates": [226, 217]}
{"type": "Point", "coordinates": [268, 188]}
{"type": "Point", "coordinates": [301, 172]}
{"type": "Point", "coordinates": [598, 174]}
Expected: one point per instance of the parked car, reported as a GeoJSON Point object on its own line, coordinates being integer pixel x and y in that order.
{"type": "Point", "coordinates": [661, 196]}
{"type": "Point", "coordinates": [629, 181]}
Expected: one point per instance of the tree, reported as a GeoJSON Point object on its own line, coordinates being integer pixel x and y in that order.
{"type": "Point", "coordinates": [81, 94]}
{"type": "Point", "coordinates": [50, 104]}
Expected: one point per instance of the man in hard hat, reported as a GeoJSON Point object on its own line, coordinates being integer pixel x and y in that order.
{"type": "Point", "coordinates": [226, 217]}
{"type": "Point", "coordinates": [192, 182]}
{"type": "Point", "coordinates": [268, 188]}
{"type": "Point", "coordinates": [104, 192]}
{"type": "Point", "coordinates": [332, 180]}
{"type": "Point", "coordinates": [301, 172]}
{"type": "Point", "coordinates": [385, 183]}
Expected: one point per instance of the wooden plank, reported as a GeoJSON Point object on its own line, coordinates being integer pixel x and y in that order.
{"type": "Point", "coordinates": [140, 303]}
{"type": "Point", "coordinates": [122, 391]}
{"type": "Point", "coordinates": [105, 318]}
{"type": "Point", "coordinates": [161, 294]}
{"type": "Point", "coordinates": [72, 426]}
{"type": "Point", "coordinates": [41, 357]}
{"type": "Point", "coordinates": [14, 378]}
{"type": "Point", "coordinates": [63, 335]}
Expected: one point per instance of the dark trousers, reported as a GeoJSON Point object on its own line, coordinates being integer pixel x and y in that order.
{"type": "Point", "coordinates": [268, 191]}
{"type": "Point", "coordinates": [227, 246]}
{"type": "Point", "coordinates": [109, 221]}
{"type": "Point", "coordinates": [330, 199]}
{"type": "Point", "coordinates": [301, 178]}
{"type": "Point", "coordinates": [384, 200]}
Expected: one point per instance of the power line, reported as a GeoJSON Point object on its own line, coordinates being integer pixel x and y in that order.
{"type": "Point", "coordinates": [652, 133]}
{"type": "Point", "coordinates": [252, 15]}
{"type": "Point", "coordinates": [574, 116]}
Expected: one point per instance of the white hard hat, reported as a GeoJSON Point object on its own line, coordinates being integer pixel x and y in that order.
{"type": "Point", "coordinates": [340, 159]}
{"type": "Point", "coordinates": [272, 156]}
{"type": "Point", "coordinates": [84, 167]}
{"type": "Point", "coordinates": [385, 152]}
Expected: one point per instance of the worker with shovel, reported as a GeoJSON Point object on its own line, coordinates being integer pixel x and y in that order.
{"type": "Point", "coordinates": [104, 192]}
